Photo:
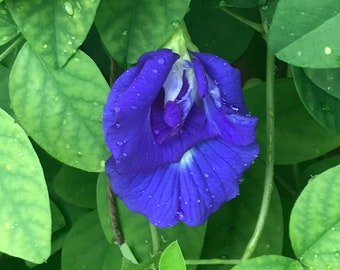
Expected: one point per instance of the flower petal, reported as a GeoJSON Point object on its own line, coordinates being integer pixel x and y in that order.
{"type": "Point", "coordinates": [134, 118]}
{"type": "Point", "coordinates": [226, 77]}
{"type": "Point", "coordinates": [210, 175]}
{"type": "Point", "coordinates": [154, 195]}
{"type": "Point", "coordinates": [233, 127]}
{"type": "Point", "coordinates": [188, 191]}
{"type": "Point", "coordinates": [201, 79]}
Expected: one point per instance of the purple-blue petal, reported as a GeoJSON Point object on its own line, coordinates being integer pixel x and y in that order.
{"type": "Point", "coordinates": [190, 190]}
{"type": "Point", "coordinates": [201, 79]}
{"type": "Point", "coordinates": [233, 127]}
{"type": "Point", "coordinates": [226, 77]}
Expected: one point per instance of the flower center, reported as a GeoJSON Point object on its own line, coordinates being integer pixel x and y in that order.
{"type": "Point", "coordinates": [172, 106]}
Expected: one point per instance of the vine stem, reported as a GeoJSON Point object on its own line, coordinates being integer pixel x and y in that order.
{"type": "Point", "coordinates": [10, 48]}
{"type": "Point", "coordinates": [256, 26]}
{"type": "Point", "coordinates": [269, 171]}
{"type": "Point", "coordinates": [155, 239]}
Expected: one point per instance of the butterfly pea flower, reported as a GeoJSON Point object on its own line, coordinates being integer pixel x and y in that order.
{"type": "Point", "coordinates": [180, 135]}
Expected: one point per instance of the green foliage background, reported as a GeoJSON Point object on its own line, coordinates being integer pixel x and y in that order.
{"type": "Point", "coordinates": [57, 61]}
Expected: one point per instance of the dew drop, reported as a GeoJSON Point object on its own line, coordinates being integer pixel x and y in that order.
{"type": "Point", "coordinates": [325, 108]}
{"type": "Point", "coordinates": [44, 46]}
{"type": "Point", "coordinates": [124, 154]}
{"type": "Point", "coordinates": [185, 202]}
{"type": "Point", "coordinates": [265, 8]}
{"type": "Point", "coordinates": [216, 82]}
{"type": "Point", "coordinates": [79, 154]}
{"type": "Point", "coordinates": [120, 143]}
{"type": "Point", "coordinates": [206, 175]}
{"type": "Point", "coordinates": [223, 4]}
{"type": "Point", "coordinates": [234, 108]}
{"type": "Point", "coordinates": [124, 33]}
{"type": "Point", "coordinates": [21, 154]}
{"type": "Point", "coordinates": [138, 94]}
{"type": "Point", "coordinates": [191, 173]}
{"type": "Point", "coordinates": [117, 125]}
{"type": "Point", "coordinates": [156, 132]}
{"type": "Point", "coordinates": [118, 161]}
{"type": "Point", "coordinates": [180, 214]}
{"type": "Point", "coordinates": [68, 8]}
{"type": "Point", "coordinates": [161, 61]}
{"type": "Point", "coordinates": [328, 50]}
{"type": "Point", "coordinates": [134, 108]}
{"type": "Point", "coordinates": [155, 71]}
{"type": "Point", "coordinates": [199, 201]}
{"type": "Point", "coordinates": [299, 53]}
{"type": "Point", "coordinates": [116, 109]}
{"type": "Point", "coordinates": [175, 23]}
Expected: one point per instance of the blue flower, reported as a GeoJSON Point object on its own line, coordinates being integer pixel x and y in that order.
{"type": "Point", "coordinates": [180, 136]}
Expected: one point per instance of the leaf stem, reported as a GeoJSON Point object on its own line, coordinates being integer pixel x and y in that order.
{"type": "Point", "coordinates": [269, 170]}
{"type": "Point", "coordinates": [10, 48]}
{"type": "Point", "coordinates": [155, 239]}
{"type": "Point", "coordinates": [211, 262]}
{"type": "Point", "coordinates": [256, 26]}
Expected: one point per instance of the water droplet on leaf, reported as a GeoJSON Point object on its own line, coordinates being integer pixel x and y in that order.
{"type": "Point", "coordinates": [68, 8]}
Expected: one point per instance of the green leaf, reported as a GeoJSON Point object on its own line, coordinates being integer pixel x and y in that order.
{"type": "Point", "coordinates": [315, 222]}
{"type": "Point", "coordinates": [4, 96]}
{"type": "Point", "coordinates": [320, 166]}
{"type": "Point", "coordinates": [231, 227]}
{"type": "Point", "coordinates": [191, 239]}
{"type": "Point", "coordinates": [58, 220]}
{"type": "Point", "coordinates": [325, 108]}
{"type": "Point", "coordinates": [269, 262]}
{"type": "Point", "coordinates": [129, 28]}
{"type": "Point", "coordinates": [61, 108]}
{"type": "Point", "coordinates": [85, 247]}
{"type": "Point", "coordinates": [242, 3]}
{"type": "Point", "coordinates": [172, 258]}
{"type": "Point", "coordinates": [76, 186]}
{"type": "Point", "coordinates": [294, 142]}
{"type": "Point", "coordinates": [326, 79]}
{"type": "Point", "coordinates": [214, 33]}
{"type": "Point", "coordinates": [25, 220]}
{"type": "Point", "coordinates": [135, 227]}
{"type": "Point", "coordinates": [8, 29]}
{"type": "Point", "coordinates": [302, 33]}
{"type": "Point", "coordinates": [63, 28]}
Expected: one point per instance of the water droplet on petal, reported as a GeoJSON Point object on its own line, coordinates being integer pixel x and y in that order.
{"type": "Point", "coordinates": [155, 71]}
{"type": "Point", "coordinates": [120, 143]}
{"type": "Point", "coordinates": [180, 215]}
{"type": "Point", "coordinates": [68, 8]}
{"type": "Point", "coordinates": [79, 154]}
{"type": "Point", "coordinates": [234, 108]}
{"type": "Point", "coordinates": [156, 131]}
{"type": "Point", "coordinates": [206, 175]}
{"type": "Point", "coordinates": [125, 154]}
{"type": "Point", "coordinates": [134, 108]}
{"type": "Point", "coordinates": [199, 201]}
{"type": "Point", "coordinates": [161, 61]}
{"type": "Point", "coordinates": [116, 109]}
{"type": "Point", "coordinates": [117, 125]}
